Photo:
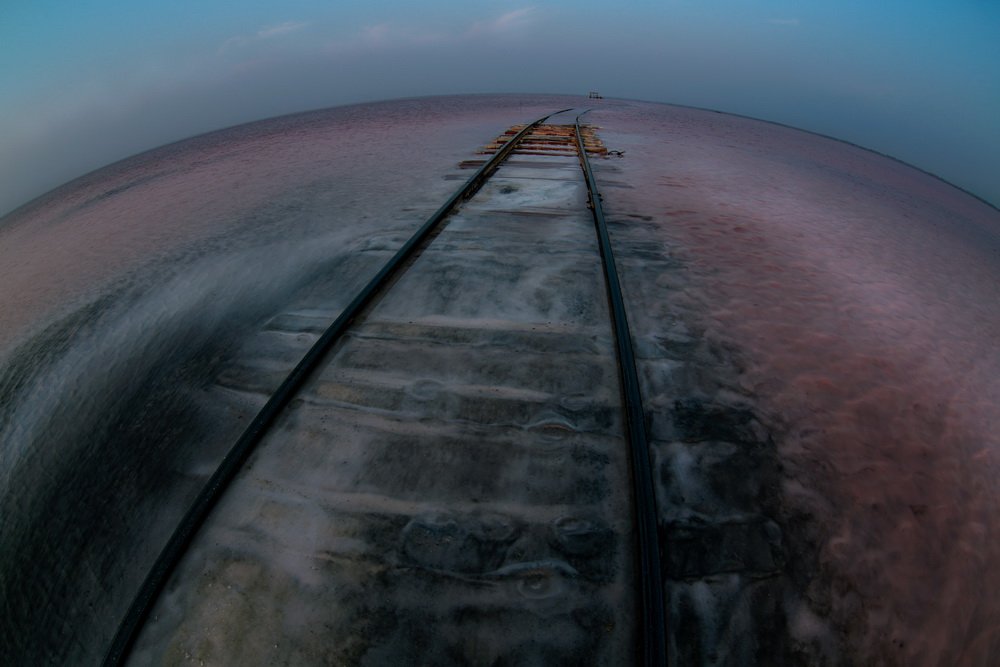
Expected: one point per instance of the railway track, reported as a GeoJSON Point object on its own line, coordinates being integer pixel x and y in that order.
{"type": "Point", "coordinates": [417, 478]}
{"type": "Point", "coordinates": [647, 536]}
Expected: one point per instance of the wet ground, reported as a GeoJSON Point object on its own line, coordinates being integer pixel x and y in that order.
{"type": "Point", "coordinates": [128, 292]}
{"type": "Point", "coordinates": [452, 486]}
{"type": "Point", "coordinates": [816, 332]}
{"type": "Point", "coordinates": [820, 331]}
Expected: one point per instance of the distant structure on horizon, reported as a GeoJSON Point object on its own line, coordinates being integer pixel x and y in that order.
{"type": "Point", "coordinates": [594, 95]}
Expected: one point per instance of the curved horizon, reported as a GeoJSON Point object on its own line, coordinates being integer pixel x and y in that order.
{"type": "Point", "coordinates": [86, 87]}
{"type": "Point", "coordinates": [957, 186]}
{"type": "Point", "coordinates": [814, 328]}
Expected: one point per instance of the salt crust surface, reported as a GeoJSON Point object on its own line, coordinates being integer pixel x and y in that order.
{"type": "Point", "coordinates": [861, 295]}
{"type": "Point", "coordinates": [124, 293]}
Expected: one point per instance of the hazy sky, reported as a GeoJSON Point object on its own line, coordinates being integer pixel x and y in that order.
{"type": "Point", "coordinates": [84, 83]}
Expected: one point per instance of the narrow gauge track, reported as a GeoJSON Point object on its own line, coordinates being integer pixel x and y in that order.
{"type": "Point", "coordinates": [654, 624]}
{"type": "Point", "coordinates": [529, 141]}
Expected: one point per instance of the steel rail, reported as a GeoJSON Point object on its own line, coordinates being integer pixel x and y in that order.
{"type": "Point", "coordinates": [653, 628]}
{"type": "Point", "coordinates": [186, 530]}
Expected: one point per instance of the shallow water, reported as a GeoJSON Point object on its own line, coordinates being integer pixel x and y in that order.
{"type": "Point", "coordinates": [816, 328]}
{"type": "Point", "coordinates": [453, 477]}
{"type": "Point", "coordinates": [852, 302]}
{"type": "Point", "coordinates": [126, 292]}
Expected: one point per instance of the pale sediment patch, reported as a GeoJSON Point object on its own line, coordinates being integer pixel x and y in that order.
{"type": "Point", "coordinates": [859, 298]}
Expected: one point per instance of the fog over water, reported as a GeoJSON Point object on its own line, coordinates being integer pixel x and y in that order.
{"type": "Point", "coordinates": [816, 328]}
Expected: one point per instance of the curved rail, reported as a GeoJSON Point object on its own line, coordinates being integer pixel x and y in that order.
{"type": "Point", "coordinates": [653, 630]}
{"type": "Point", "coordinates": [175, 548]}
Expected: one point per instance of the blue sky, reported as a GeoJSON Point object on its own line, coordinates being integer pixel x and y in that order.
{"type": "Point", "coordinates": [87, 83]}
